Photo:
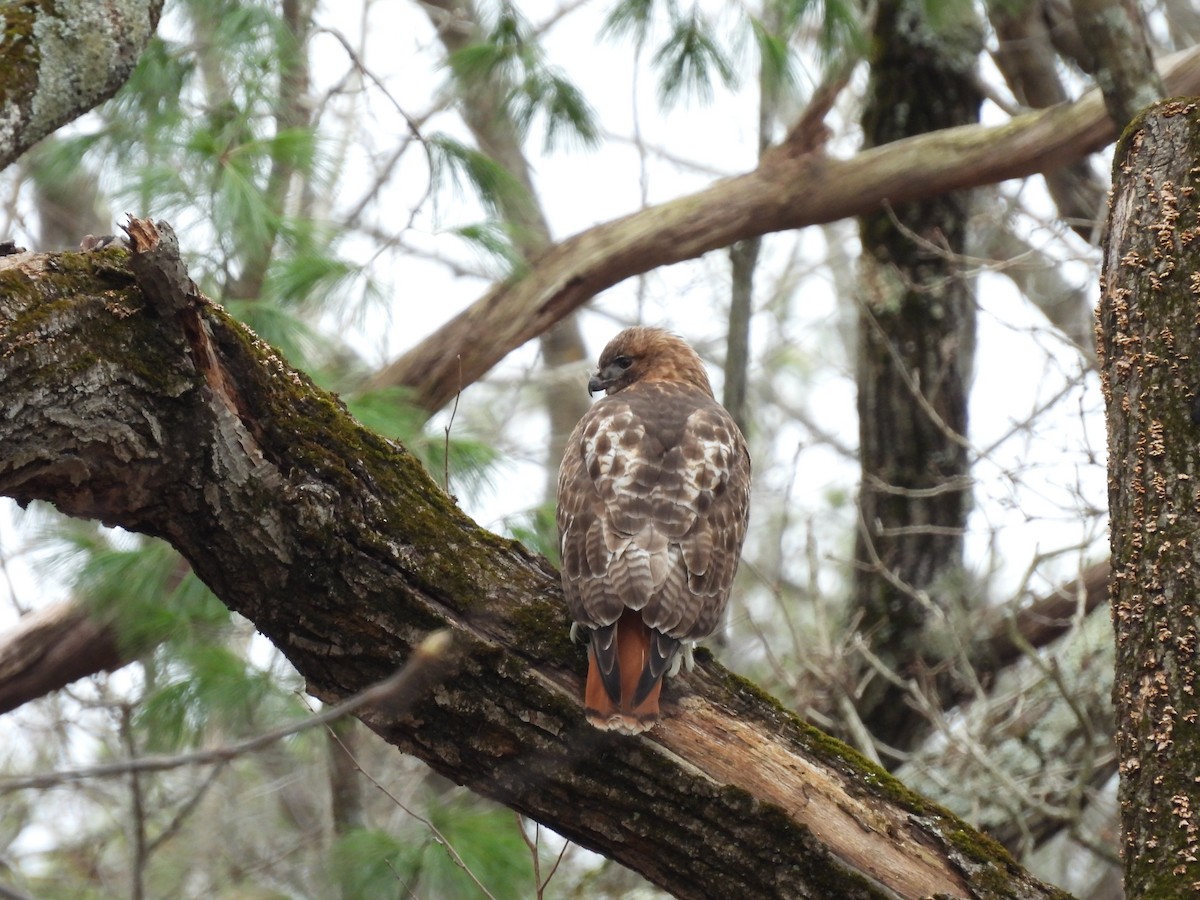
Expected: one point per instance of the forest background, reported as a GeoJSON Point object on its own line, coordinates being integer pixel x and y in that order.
{"type": "Point", "coordinates": [907, 341]}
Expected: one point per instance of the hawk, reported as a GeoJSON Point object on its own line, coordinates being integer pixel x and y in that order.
{"type": "Point", "coordinates": [653, 499]}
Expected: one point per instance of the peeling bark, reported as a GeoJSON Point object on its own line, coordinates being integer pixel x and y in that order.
{"type": "Point", "coordinates": [784, 192]}
{"type": "Point", "coordinates": [136, 401]}
{"type": "Point", "coordinates": [58, 60]}
{"type": "Point", "coordinates": [1149, 347]}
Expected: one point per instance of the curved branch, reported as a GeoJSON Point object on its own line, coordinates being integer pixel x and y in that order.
{"type": "Point", "coordinates": [784, 192]}
{"type": "Point", "coordinates": [132, 399]}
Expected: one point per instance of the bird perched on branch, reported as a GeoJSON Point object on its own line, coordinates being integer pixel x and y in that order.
{"type": "Point", "coordinates": [653, 499]}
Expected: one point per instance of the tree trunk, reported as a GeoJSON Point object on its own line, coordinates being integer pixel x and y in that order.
{"type": "Point", "coordinates": [1115, 40]}
{"type": "Point", "coordinates": [1149, 345]}
{"type": "Point", "coordinates": [131, 398]}
{"type": "Point", "coordinates": [916, 350]}
{"type": "Point", "coordinates": [1026, 56]}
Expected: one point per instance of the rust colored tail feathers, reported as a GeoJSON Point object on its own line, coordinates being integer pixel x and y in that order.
{"type": "Point", "coordinates": [626, 664]}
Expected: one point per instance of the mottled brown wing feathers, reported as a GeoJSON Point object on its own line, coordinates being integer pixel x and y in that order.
{"type": "Point", "coordinates": [653, 503]}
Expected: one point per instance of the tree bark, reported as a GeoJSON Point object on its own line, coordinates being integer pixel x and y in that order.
{"type": "Point", "coordinates": [1121, 62]}
{"type": "Point", "coordinates": [785, 192]}
{"type": "Point", "coordinates": [131, 398]}
{"type": "Point", "coordinates": [1148, 346]}
{"type": "Point", "coordinates": [58, 60]}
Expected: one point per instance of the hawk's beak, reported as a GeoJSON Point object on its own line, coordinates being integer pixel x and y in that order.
{"type": "Point", "coordinates": [605, 378]}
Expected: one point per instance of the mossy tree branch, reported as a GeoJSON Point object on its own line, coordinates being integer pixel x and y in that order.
{"type": "Point", "coordinates": [132, 399]}
{"type": "Point", "coordinates": [58, 60]}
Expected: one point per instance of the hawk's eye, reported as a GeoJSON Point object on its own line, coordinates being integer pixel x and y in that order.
{"type": "Point", "coordinates": [622, 362]}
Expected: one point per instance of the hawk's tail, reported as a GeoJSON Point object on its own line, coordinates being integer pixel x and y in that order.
{"type": "Point", "coordinates": [626, 663]}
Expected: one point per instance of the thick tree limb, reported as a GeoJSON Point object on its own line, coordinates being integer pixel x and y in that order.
{"type": "Point", "coordinates": [62, 59]}
{"type": "Point", "coordinates": [161, 414]}
{"type": "Point", "coordinates": [63, 642]}
{"type": "Point", "coordinates": [784, 192]}
{"type": "Point", "coordinates": [52, 647]}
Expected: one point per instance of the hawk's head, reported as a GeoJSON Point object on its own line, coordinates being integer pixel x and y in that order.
{"type": "Point", "coordinates": [647, 354]}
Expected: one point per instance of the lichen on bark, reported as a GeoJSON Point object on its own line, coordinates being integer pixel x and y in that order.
{"type": "Point", "coordinates": [59, 59]}
{"type": "Point", "coordinates": [1149, 340]}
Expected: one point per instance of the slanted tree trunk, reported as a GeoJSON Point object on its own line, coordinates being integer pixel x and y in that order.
{"type": "Point", "coordinates": [916, 348]}
{"type": "Point", "coordinates": [1150, 355]}
{"type": "Point", "coordinates": [132, 399]}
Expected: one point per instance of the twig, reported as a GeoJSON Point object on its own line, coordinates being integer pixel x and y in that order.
{"type": "Point", "coordinates": [911, 381]}
{"type": "Point", "coordinates": [429, 660]}
{"type": "Point", "coordinates": [533, 845]}
{"type": "Point", "coordinates": [137, 875]}
{"type": "Point", "coordinates": [177, 821]}
{"type": "Point", "coordinates": [562, 854]}
{"type": "Point", "coordinates": [433, 829]}
{"type": "Point", "coordinates": [413, 126]}
{"type": "Point", "coordinates": [449, 425]}
{"type": "Point", "coordinates": [533, 851]}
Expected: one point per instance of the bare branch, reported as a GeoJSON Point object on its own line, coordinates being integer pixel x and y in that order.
{"type": "Point", "coordinates": [428, 664]}
{"type": "Point", "coordinates": [784, 192]}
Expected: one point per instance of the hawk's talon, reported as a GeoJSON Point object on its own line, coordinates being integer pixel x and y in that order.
{"type": "Point", "coordinates": [685, 657]}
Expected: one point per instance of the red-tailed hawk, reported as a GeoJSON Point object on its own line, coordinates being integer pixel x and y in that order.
{"type": "Point", "coordinates": [653, 498]}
